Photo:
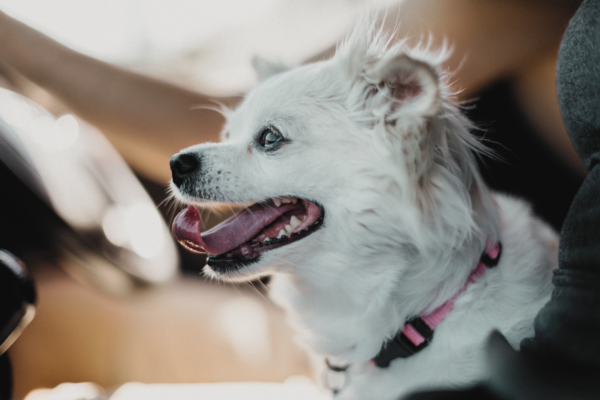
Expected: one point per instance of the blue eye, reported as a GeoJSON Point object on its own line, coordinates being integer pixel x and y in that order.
{"type": "Point", "coordinates": [269, 138]}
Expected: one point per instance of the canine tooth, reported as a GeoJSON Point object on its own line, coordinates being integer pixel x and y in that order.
{"type": "Point", "coordinates": [281, 233]}
{"type": "Point", "coordinates": [294, 221]}
{"type": "Point", "coordinates": [277, 201]}
{"type": "Point", "coordinates": [289, 228]}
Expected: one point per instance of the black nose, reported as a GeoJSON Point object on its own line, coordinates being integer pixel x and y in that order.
{"type": "Point", "coordinates": [183, 165]}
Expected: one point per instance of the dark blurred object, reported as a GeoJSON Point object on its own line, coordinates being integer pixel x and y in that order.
{"type": "Point", "coordinates": [17, 299]}
{"type": "Point", "coordinates": [68, 194]}
{"type": "Point", "coordinates": [521, 376]}
{"type": "Point", "coordinates": [5, 378]}
{"type": "Point", "coordinates": [474, 393]}
{"type": "Point", "coordinates": [525, 166]}
{"type": "Point", "coordinates": [562, 361]}
{"type": "Point", "coordinates": [540, 375]}
{"type": "Point", "coordinates": [27, 221]}
{"type": "Point", "coordinates": [569, 325]}
{"type": "Point", "coordinates": [17, 309]}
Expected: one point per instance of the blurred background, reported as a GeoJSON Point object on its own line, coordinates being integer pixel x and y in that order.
{"type": "Point", "coordinates": [202, 44]}
{"type": "Point", "coordinates": [80, 208]}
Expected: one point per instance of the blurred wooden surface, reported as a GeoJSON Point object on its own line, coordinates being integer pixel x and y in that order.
{"type": "Point", "coordinates": [184, 332]}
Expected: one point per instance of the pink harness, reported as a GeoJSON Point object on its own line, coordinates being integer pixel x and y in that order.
{"type": "Point", "coordinates": [434, 318]}
{"type": "Point", "coordinates": [418, 331]}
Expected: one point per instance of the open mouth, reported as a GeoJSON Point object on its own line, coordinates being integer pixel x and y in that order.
{"type": "Point", "coordinates": [243, 238]}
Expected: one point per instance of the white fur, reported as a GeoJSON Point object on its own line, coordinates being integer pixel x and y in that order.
{"type": "Point", "coordinates": [375, 138]}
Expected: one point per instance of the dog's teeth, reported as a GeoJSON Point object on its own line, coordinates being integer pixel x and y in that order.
{"type": "Point", "coordinates": [294, 221]}
{"type": "Point", "coordinates": [285, 200]}
{"type": "Point", "coordinates": [294, 200]}
{"type": "Point", "coordinates": [303, 218]}
{"type": "Point", "coordinates": [289, 228]}
{"type": "Point", "coordinates": [277, 201]}
{"type": "Point", "coordinates": [281, 233]}
{"type": "Point", "coordinates": [266, 241]}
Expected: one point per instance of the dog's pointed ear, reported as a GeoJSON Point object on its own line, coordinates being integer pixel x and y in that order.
{"type": "Point", "coordinates": [409, 86]}
{"type": "Point", "coordinates": [266, 69]}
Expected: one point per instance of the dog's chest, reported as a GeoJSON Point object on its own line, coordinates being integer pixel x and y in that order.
{"type": "Point", "coordinates": [454, 357]}
{"type": "Point", "coordinates": [455, 354]}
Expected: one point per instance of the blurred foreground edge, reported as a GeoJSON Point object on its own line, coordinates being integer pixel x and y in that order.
{"type": "Point", "coordinates": [69, 190]}
{"type": "Point", "coordinates": [17, 309]}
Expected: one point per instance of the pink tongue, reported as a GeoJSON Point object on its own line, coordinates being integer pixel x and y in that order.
{"type": "Point", "coordinates": [229, 234]}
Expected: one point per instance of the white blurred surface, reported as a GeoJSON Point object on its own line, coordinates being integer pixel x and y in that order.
{"type": "Point", "coordinates": [207, 44]}
{"type": "Point", "coordinates": [86, 180]}
{"type": "Point", "coordinates": [298, 388]}
{"type": "Point", "coordinates": [69, 391]}
{"type": "Point", "coordinates": [221, 391]}
{"type": "Point", "coordinates": [245, 324]}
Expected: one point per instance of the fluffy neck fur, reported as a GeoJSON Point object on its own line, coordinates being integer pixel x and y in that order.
{"type": "Point", "coordinates": [417, 217]}
{"type": "Point", "coordinates": [346, 305]}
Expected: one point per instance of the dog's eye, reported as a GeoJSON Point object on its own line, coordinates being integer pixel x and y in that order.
{"type": "Point", "coordinates": [269, 138]}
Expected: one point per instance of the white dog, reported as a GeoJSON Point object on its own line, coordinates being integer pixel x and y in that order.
{"type": "Point", "coordinates": [371, 216]}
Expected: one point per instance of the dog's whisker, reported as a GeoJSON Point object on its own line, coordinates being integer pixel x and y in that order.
{"type": "Point", "coordinates": [209, 213]}
{"type": "Point", "coordinates": [289, 262]}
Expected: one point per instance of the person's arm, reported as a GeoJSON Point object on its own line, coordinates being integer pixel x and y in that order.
{"type": "Point", "coordinates": [135, 111]}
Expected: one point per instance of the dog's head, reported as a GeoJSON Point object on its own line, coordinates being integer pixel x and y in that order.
{"type": "Point", "coordinates": [359, 155]}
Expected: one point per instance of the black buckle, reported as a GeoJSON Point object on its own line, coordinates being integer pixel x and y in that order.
{"type": "Point", "coordinates": [400, 346]}
{"type": "Point", "coordinates": [489, 261]}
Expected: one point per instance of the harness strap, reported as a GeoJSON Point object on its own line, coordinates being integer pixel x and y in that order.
{"type": "Point", "coordinates": [418, 332]}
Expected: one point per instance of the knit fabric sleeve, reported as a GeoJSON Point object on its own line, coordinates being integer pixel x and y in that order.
{"type": "Point", "coordinates": [569, 325]}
